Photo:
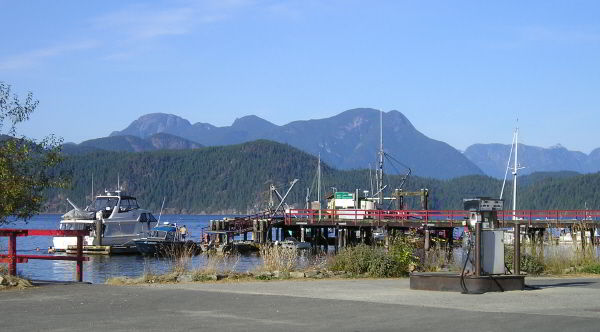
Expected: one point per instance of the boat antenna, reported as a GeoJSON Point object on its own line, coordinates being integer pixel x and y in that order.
{"type": "Point", "coordinates": [118, 182]}
{"type": "Point", "coordinates": [161, 209]}
{"type": "Point", "coordinates": [92, 188]}
{"type": "Point", "coordinates": [371, 178]}
{"type": "Point", "coordinates": [307, 198]}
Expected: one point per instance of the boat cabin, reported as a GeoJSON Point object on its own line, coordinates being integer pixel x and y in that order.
{"type": "Point", "coordinates": [167, 233]}
{"type": "Point", "coordinates": [107, 203]}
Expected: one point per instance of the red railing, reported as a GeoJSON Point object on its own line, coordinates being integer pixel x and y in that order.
{"type": "Point", "coordinates": [12, 258]}
{"type": "Point", "coordinates": [524, 216]}
{"type": "Point", "coordinates": [374, 215]}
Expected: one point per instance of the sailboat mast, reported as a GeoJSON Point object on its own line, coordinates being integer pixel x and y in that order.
{"type": "Point", "coordinates": [319, 185]}
{"type": "Point", "coordinates": [380, 177]}
{"type": "Point", "coordinates": [515, 170]}
{"type": "Point", "coordinates": [319, 180]}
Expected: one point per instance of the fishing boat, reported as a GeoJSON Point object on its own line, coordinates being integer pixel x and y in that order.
{"type": "Point", "coordinates": [164, 239]}
{"type": "Point", "coordinates": [117, 214]}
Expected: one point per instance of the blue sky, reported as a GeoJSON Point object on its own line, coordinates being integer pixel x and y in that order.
{"type": "Point", "coordinates": [461, 71]}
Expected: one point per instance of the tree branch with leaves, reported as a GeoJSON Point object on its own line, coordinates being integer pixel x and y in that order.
{"type": "Point", "coordinates": [27, 166]}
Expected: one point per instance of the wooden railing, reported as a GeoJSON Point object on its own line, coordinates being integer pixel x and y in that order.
{"type": "Point", "coordinates": [12, 258]}
{"type": "Point", "coordinates": [521, 216]}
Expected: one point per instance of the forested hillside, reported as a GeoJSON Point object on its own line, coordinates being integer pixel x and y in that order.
{"type": "Point", "coordinates": [236, 178]}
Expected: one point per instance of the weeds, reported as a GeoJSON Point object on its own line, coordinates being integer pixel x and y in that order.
{"type": "Point", "coordinates": [438, 258]}
{"type": "Point", "coordinates": [568, 259]}
{"type": "Point", "coordinates": [215, 264]}
{"type": "Point", "coordinates": [277, 258]}
{"type": "Point", "coordinates": [180, 255]}
{"type": "Point", "coordinates": [554, 259]}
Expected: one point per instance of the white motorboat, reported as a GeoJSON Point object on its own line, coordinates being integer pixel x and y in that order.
{"type": "Point", "coordinates": [122, 221]}
{"type": "Point", "coordinates": [292, 243]}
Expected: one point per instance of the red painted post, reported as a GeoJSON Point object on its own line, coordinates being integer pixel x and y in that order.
{"type": "Point", "coordinates": [79, 258]}
{"type": "Point", "coordinates": [12, 252]}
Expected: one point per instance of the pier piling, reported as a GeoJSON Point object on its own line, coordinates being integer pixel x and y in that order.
{"type": "Point", "coordinates": [517, 254]}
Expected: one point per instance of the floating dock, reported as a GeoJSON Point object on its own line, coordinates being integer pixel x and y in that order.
{"type": "Point", "coordinates": [103, 250]}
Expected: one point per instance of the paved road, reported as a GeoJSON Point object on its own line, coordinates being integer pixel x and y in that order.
{"type": "Point", "coordinates": [336, 305]}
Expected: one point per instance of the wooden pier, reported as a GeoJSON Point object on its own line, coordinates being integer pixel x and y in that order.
{"type": "Point", "coordinates": [343, 227]}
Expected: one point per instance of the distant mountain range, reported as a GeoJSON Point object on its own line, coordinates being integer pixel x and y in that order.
{"type": "Point", "coordinates": [349, 140]}
{"type": "Point", "coordinates": [128, 143]}
{"type": "Point", "coordinates": [493, 158]}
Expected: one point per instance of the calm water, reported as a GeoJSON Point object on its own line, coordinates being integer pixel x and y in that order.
{"type": "Point", "coordinates": [99, 268]}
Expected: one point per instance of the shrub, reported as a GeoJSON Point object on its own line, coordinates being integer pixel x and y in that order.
{"type": "Point", "coordinates": [532, 264]}
{"type": "Point", "coordinates": [374, 261]}
{"type": "Point", "coordinates": [592, 268]}
{"type": "Point", "coordinates": [355, 260]}
{"type": "Point", "coordinates": [199, 276]}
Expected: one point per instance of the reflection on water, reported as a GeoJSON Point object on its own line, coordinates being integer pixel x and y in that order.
{"type": "Point", "coordinates": [99, 268]}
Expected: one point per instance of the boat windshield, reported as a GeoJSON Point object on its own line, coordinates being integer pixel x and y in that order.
{"type": "Point", "coordinates": [101, 203]}
{"type": "Point", "coordinates": [159, 234]}
{"type": "Point", "coordinates": [72, 226]}
{"type": "Point", "coordinates": [128, 204]}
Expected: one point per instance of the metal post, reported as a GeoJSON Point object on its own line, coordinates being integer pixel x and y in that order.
{"type": "Point", "coordinates": [337, 239]}
{"type": "Point", "coordinates": [12, 252]}
{"type": "Point", "coordinates": [477, 249]}
{"type": "Point", "coordinates": [427, 240]}
{"type": "Point", "coordinates": [98, 238]}
{"type": "Point", "coordinates": [583, 238]}
{"type": "Point", "coordinates": [79, 258]}
{"type": "Point", "coordinates": [517, 245]}
{"type": "Point", "coordinates": [387, 237]}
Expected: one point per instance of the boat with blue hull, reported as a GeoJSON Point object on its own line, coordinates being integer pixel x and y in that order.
{"type": "Point", "coordinates": [165, 239]}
